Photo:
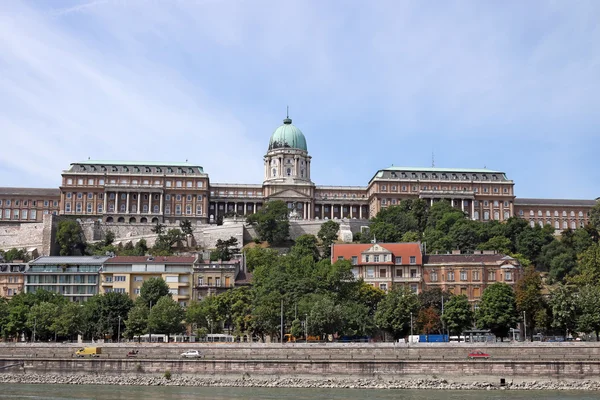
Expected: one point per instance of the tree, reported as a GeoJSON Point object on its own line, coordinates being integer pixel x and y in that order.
{"type": "Point", "coordinates": [528, 297]}
{"type": "Point", "coordinates": [136, 323]}
{"type": "Point", "coordinates": [159, 228]}
{"type": "Point", "coordinates": [588, 267]}
{"type": "Point", "coordinates": [325, 316]}
{"type": "Point", "coordinates": [595, 216]}
{"type": "Point", "coordinates": [497, 310]}
{"type": "Point", "coordinates": [68, 321]}
{"type": "Point", "coordinates": [306, 245]}
{"type": "Point", "coordinates": [152, 290]}
{"type": "Point", "coordinates": [166, 317]}
{"type": "Point", "coordinates": [564, 309]}
{"type": "Point", "coordinates": [433, 297]}
{"type": "Point", "coordinates": [16, 254]}
{"type": "Point", "coordinates": [328, 234]}
{"type": "Point", "coordinates": [69, 236]}
{"type": "Point", "coordinates": [271, 221]}
{"type": "Point", "coordinates": [225, 249]}
{"type": "Point", "coordinates": [531, 240]}
{"type": "Point", "coordinates": [464, 234]}
{"type": "Point", "coordinates": [500, 244]}
{"type": "Point", "coordinates": [394, 311]}
{"type": "Point", "coordinates": [588, 301]}
{"type": "Point", "coordinates": [186, 227]}
{"type": "Point", "coordinates": [458, 314]}
{"type": "Point", "coordinates": [41, 320]}
{"type": "Point", "coordinates": [165, 242]}
{"type": "Point", "coordinates": [428, 320]}
{"type": "Point", "coordinates": [259, 256]}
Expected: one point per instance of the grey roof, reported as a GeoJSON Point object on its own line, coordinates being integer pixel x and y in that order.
{"type": "Point", "coordinates": [442, 174]}
{"type": "Point", "coordinates": [78, 260]}
{"type": "Point", "coordinates": [13, 191]}
{"type": "Point", "coordinates": [464, 258]}
{"type": "Point", "coordinates": [554, 202]}
{"type": "Point", "coordinates": [124, 167]}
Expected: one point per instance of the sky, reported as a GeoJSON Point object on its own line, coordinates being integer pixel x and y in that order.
{"type": "Point", "coordinates": [511, 86]}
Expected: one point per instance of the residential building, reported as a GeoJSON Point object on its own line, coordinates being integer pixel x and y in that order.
{"type": "Point", "coordinates": [19, 205]}
{"type": "Point", "coordinates": [384, 265]}
{"type": "Point", "coordinates": [150, 192]}
{"type": "Point", "coordinates": [126, 274]}
{"type": "Point", "coordinates": [12, 278]}
{"type": "Point", "coordinates": [75, 277]}
{"type": "Point", "coordinates": [215, 277]}
{"type": "Point", "coordinates": [469, 274]}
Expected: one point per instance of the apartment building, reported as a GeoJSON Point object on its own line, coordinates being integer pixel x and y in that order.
{"type": "Point", "coordinates": [18, 205]}
{"type": "Point", "coordinates": [75, 277]}
{"type": "Point", "coordinates": [215, 277]}
{"type": "Point", "coordinates": [12, 278]}
{"type": "Point", "coordinates": [469, 274]}
{"type": "Point", "coordinates": [384, 265]}
{"type": "Point", "coordinates": [126, 274]}
{"type": "Point", "coordinates": [559, 213]}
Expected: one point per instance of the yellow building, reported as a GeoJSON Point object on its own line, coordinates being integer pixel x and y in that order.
{"type": "Point", "coordinates": [215, 277]}
{"type": "Point", "coordinates": [126, 274]}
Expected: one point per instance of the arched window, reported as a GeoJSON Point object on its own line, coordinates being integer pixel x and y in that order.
{"type": "Point", "coordinates": [274, 171]}
{"type": "Point", "coordinates": [532, 223]}
{"type": "Point", "coordinates": [565, 224]}
{"type": "Point", "coordinates": [539, 213]}
{"type": "Point", "coordinates": [476, 215]}
{"type": "Point", "coordinates": [496, 215]}
{"type": "Point", "coordinates": [573, 225]}
{"type": "Point", "coordinates": [288, 172]}
{"type": "Point", "coordinates": [556, 225]}
{"type": "Point", "coordinates": [506, 215]}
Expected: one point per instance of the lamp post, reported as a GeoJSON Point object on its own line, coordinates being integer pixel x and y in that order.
{"type": "Point", "coordinates": [281, 319]}
{"type": "Point", "coordinates": [34, 324]}
{"type": "Point", "coordinates": [524, 327]}
{"type": "Point", "coordinates": [306, 327]}
{"type": "Point", "coordinates": [119, 331]}
{"type": "Point", "coordinates": [411, 324]}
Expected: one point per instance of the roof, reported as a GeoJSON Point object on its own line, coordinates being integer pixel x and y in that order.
{"type": "Point", "coordinates": [464, 258]}
{"type": "Point", "coordinates": [79, 260]}
{"type": "Point", "coordinates": [13, 191]}
{"type": "Point", "coordinates": [138, 163]}
{"type": "Point", "coordinates": [451, 170]}
{"type": "Point", "coordinates": [243, 278]}
{"type": "Point", "coordinates": [554, 202]}
{"type": "Point", "coordinates": [151, 260]}
{"type": "Point", "coordinates": [404, 250]}
{"type": "Point", "coordinates": [476, 174]}
{"type": "Point", "coordinates": [287, 136]}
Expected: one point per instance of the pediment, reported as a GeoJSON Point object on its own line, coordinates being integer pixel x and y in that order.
{"type": "Point", "coordinates": [376, 248]}
{"type": "Point", "coordinates": [289, 194]}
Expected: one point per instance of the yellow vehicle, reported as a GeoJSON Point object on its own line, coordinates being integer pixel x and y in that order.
{"type": "Point", "coordinates": [289, 338]}
{"type": "Point", "coordinates": [89, 351]}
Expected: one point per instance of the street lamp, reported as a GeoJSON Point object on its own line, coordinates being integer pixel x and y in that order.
{"type": "Point", "coordinates": [411, 324]}
{"type": "Point", "coordinates": [34, 324]}
{"type": "Point", "coordinates": [306, 327]}
{"type": "Point", "coordinates": [119, 331]}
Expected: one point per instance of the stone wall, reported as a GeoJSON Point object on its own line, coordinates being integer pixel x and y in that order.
{"type": "Point", "coordinates": [39, 238]}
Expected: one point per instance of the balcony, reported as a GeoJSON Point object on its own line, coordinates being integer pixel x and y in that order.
{"type": "Point", "coordinates": [201, 285]}
{"type": "Point", "coordinates": [462, 194]}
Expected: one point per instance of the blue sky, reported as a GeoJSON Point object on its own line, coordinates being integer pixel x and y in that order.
{"type": "Point", "coordinates": [512, 86]}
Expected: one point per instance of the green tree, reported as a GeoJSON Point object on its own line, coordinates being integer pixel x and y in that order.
{"type": "Point", "coordinates": [391, 223]}
{"type": "Point", "coordinates": [186, 227]}
{"type": "Point", "coordinates": [166, 317]}
{"type": "Point", "coordinates": [297, 329]}
{"type": "Point", "coordinates": [528, 297]}
{"type": "Point", "coordinates": [497, 310]}
{"type": "Point", "coordinates": [531, 240]}
{"type": "Point", "coordinates": [165, 242]}
{"type": "Point", "coordinates": [69, 236]}
{"type": "Point", "coordinates": [588, 267]}
{"type": "Point", "coordinates": [328, 234]}
{"type": "Point", "coordinates": [358, 319]}
{"type": "Point", "coordinates": [136, 323]}
{"type": "Point", "coordinates": [588, 301]}
{"type": "Point", "coordinates": [259, 256]}
{"type": "Point", "coordinates": [394, 311]}
{"type": "Point", "coordinates": [464, 234]}
{"type": "Point", "coordinates": [159, 228]}
{"type": "Point", "coordinates": [271, 221]}
{"type": "Point", "coordinates": [433, 297]}
{"type": "Point", "coordinates": [458, 315]}
{"type": "Point", "coordinates": [436, 241]}
{"type": "Point", "coordinates": [500, 244]}
{"type": "Point", "coordinates": [561, 266]}
{"type": "Point", "coordinates": [325, 316]}
{"type": "Point", "coordinates": [411, 237]}
{"type": "Point", "coordinates": [225, 249]}
{"type": "Point", "coordinates": [152, 290]}
{"type": "Point", "coordinates": [564, 309]}
{"type": "Point", "coordinates": [595, 216]}
{"type": "Point", "coordinates": [16, 254]}
{"type": "Point", "coordinates": [306, 245]}
{"type": "Point", "coordinates": [68, 321]}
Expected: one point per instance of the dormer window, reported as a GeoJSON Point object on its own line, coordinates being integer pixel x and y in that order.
{"type": "Point", "coordinates": [158, 169]}
{"type": "Point", "coordinates": [103, 168]}
{"type": "Point", "coordinates": [414, 176]}
{"type": "Point", "coordinates": [444, 176]}
{"type": "Point", "coordinates": [434, 176]}
{"type": "Point", "coordinates": [147, 169]}
{"type": "Point", "coordinates": [137, 169]}
{"type": "Point", "coordinates": [93, 168]}
{"type": "Point", "coordinates": [485, 177]}
{"type": "Point", "coordinates": [179, 170]}
{"type": "Point", "coordinates": [494, 177]}
{"type": "Point", "coordinates": [424, 176]}
{"type": "Point", "coordinates": [170, 170]}
{"type": "Point", "coordinates": [125, 169]}
{"type": "Point", "coordinates": [83, 167]}
{"type": "Point", "coordinates": [114, 169]}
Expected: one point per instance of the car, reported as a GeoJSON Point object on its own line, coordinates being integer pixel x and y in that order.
{"type": "Point", "coordinates": [192, 354]}
{"type": "Point", "coordinates": [133, 353]}
{"type": "Point", "coordinates": [478, 354]}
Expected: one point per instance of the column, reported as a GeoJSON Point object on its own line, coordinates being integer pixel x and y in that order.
{"type": "Point", "coordinates": [117, 194]}
{"type": "Point", "coordinates": [462, 205]}
{"type": "Point", "coordinates": [331, 210]}
{"type": "Point", "coordinates": [160, 211]}
{"type": "Point", "coordinates": [139, 204]}
{"type": "Point", "coordinates": [360, 212]}
{"type": "Point", "coordinates": [472, 209]}
{"type": "Point", "coordinates": [245, 208]}
{"type": "Point", "coordinates": [431, 201]}
{"type": "Point", "coordinates": [127, 204]}
{"type": "Point", "coordinates": [351, 207]}
{"type": "Point", "coordinates": [502, 210]}
{"type": "Point", "coordinates": [149, 203]}
{"type": "Point", "coordinates": [297, 167]}
{"type": "Point", "coordinates": [105, 209]}
{"type": "Point", "coordinates": [304, 210]}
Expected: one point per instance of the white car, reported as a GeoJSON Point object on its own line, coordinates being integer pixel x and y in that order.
{"type": "Point", "coordinates": [192, 354]}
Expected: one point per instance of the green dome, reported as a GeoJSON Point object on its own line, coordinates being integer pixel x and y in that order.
{"type": "Point", "coordinates": [287, 136]}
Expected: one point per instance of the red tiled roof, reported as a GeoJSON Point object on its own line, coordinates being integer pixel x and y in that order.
{"type": "Point", "coordinates": [404, 250]}
{"type": "Point", "coordinates": [150, 260]}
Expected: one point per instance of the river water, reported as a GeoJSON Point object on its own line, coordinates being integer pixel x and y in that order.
{"type": "Point", "coordinates": [73, 392]}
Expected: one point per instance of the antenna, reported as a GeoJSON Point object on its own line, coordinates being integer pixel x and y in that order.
{"type": "Point", "coordinates": [432, 159]}
{"type": "Point", "coordinates": [287, 111]}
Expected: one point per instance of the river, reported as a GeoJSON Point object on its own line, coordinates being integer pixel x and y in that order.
{"type": "Point", "coordinates": [73, 392]}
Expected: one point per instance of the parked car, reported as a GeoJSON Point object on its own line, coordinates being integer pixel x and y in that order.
{"type": "Point", "coordinates": [133, 353]}
{"type": "Point", "coordinates": [478, 354]}
{"type": "Point", "coordinates": [89, 351]}
{"type": "Point", "coordinates": [192, 354]}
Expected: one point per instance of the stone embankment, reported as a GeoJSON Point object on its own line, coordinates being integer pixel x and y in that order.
{"type": "Point", "coordinates": [335, 383]}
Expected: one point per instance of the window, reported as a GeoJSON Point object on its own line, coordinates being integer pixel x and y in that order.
{"type": "Point", "coordinates": [119, 278]}
{"type": "Point", "coordinates": [189, 197]}
{"type": "Point", "coordinates": [168, 183]}
{"type": "Point", "coordinates": [178, 209]}
{"type": "Point", "coordinates": [382, 272]}
{"type": "Point", "coordinates": [508, 276]}
{"type": "Point", "coordinates": [398, 260]}
{"type": "Point", "coordinates": [367, 258]}
{"type": "Point", "coordinates": [413, 288]}
{"type": "Point", "coordinates": [433, 277]}
{"type": "Point", "coordinates": [198, 209]}
{"type": "Point", "coordinates": [491, 276]}
{"type": "Point", "coordinates": [136, 291]}
{"type": "Point", "coordinates": [450, 276]}
{"type": "Point", "coordinates": [188, 209]}
{"type": "Point", "coordinates": [370, 272]}
{"type": "Point", "coordinates": [67, 207]}
{"type": "Point", "coordinates": [89, 208]}
{"type": "Point", "coordinates": [354, 260]}
{"type": "Point", "coordinates": [119, 290]}
{"type": "Point", "coordinates": [398, 272]}
{"type": "Point", "coordinates": [33, 214]}
{"type": "Point", "coordinates": [463, 275]}
{"type": "Point", "coordinates": [383, 188]}
{"type": "Point", "coordinates": [413, 259]}
{"type": "Point", "coordinates": [69, 195]}
{"type": "Point", "coordinates": [199, 184]}
{"type": "Point", "coordinates": [413, 273]}
{"type": "Point", "coordinates": [178, 197]}
{"type": "Point", "coordinates": [383, 286]}
{"type": "Point", "coordinates": [475, 275]}
{"type": "Point", "coordinates": [90, 182]}
{"type": "Point", "coordinates": [69, 181]}
{"type": "Point", "coordinates": [199, 197]}
{"type": "Point", "coordinates": [23, 214]}
{"type": "Point", "coordinates": [189, 184]}
{"type": "Point", "coordinates": [486, 215]}
{"type": "Point", "coordinates": [155, 209]}
{"type": "Point", "coordinates": [496, 204]}
{"type": "Point", "coordinates": [100, 181]}
{"type": "Point", "coordinates": [15, 214]}
{"type": "Point", "coordinates": [99, 208]}
{"type": "Point", "coordinates": [178, 184]}
{"type": "Point", "coordinates": [375, 258]}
